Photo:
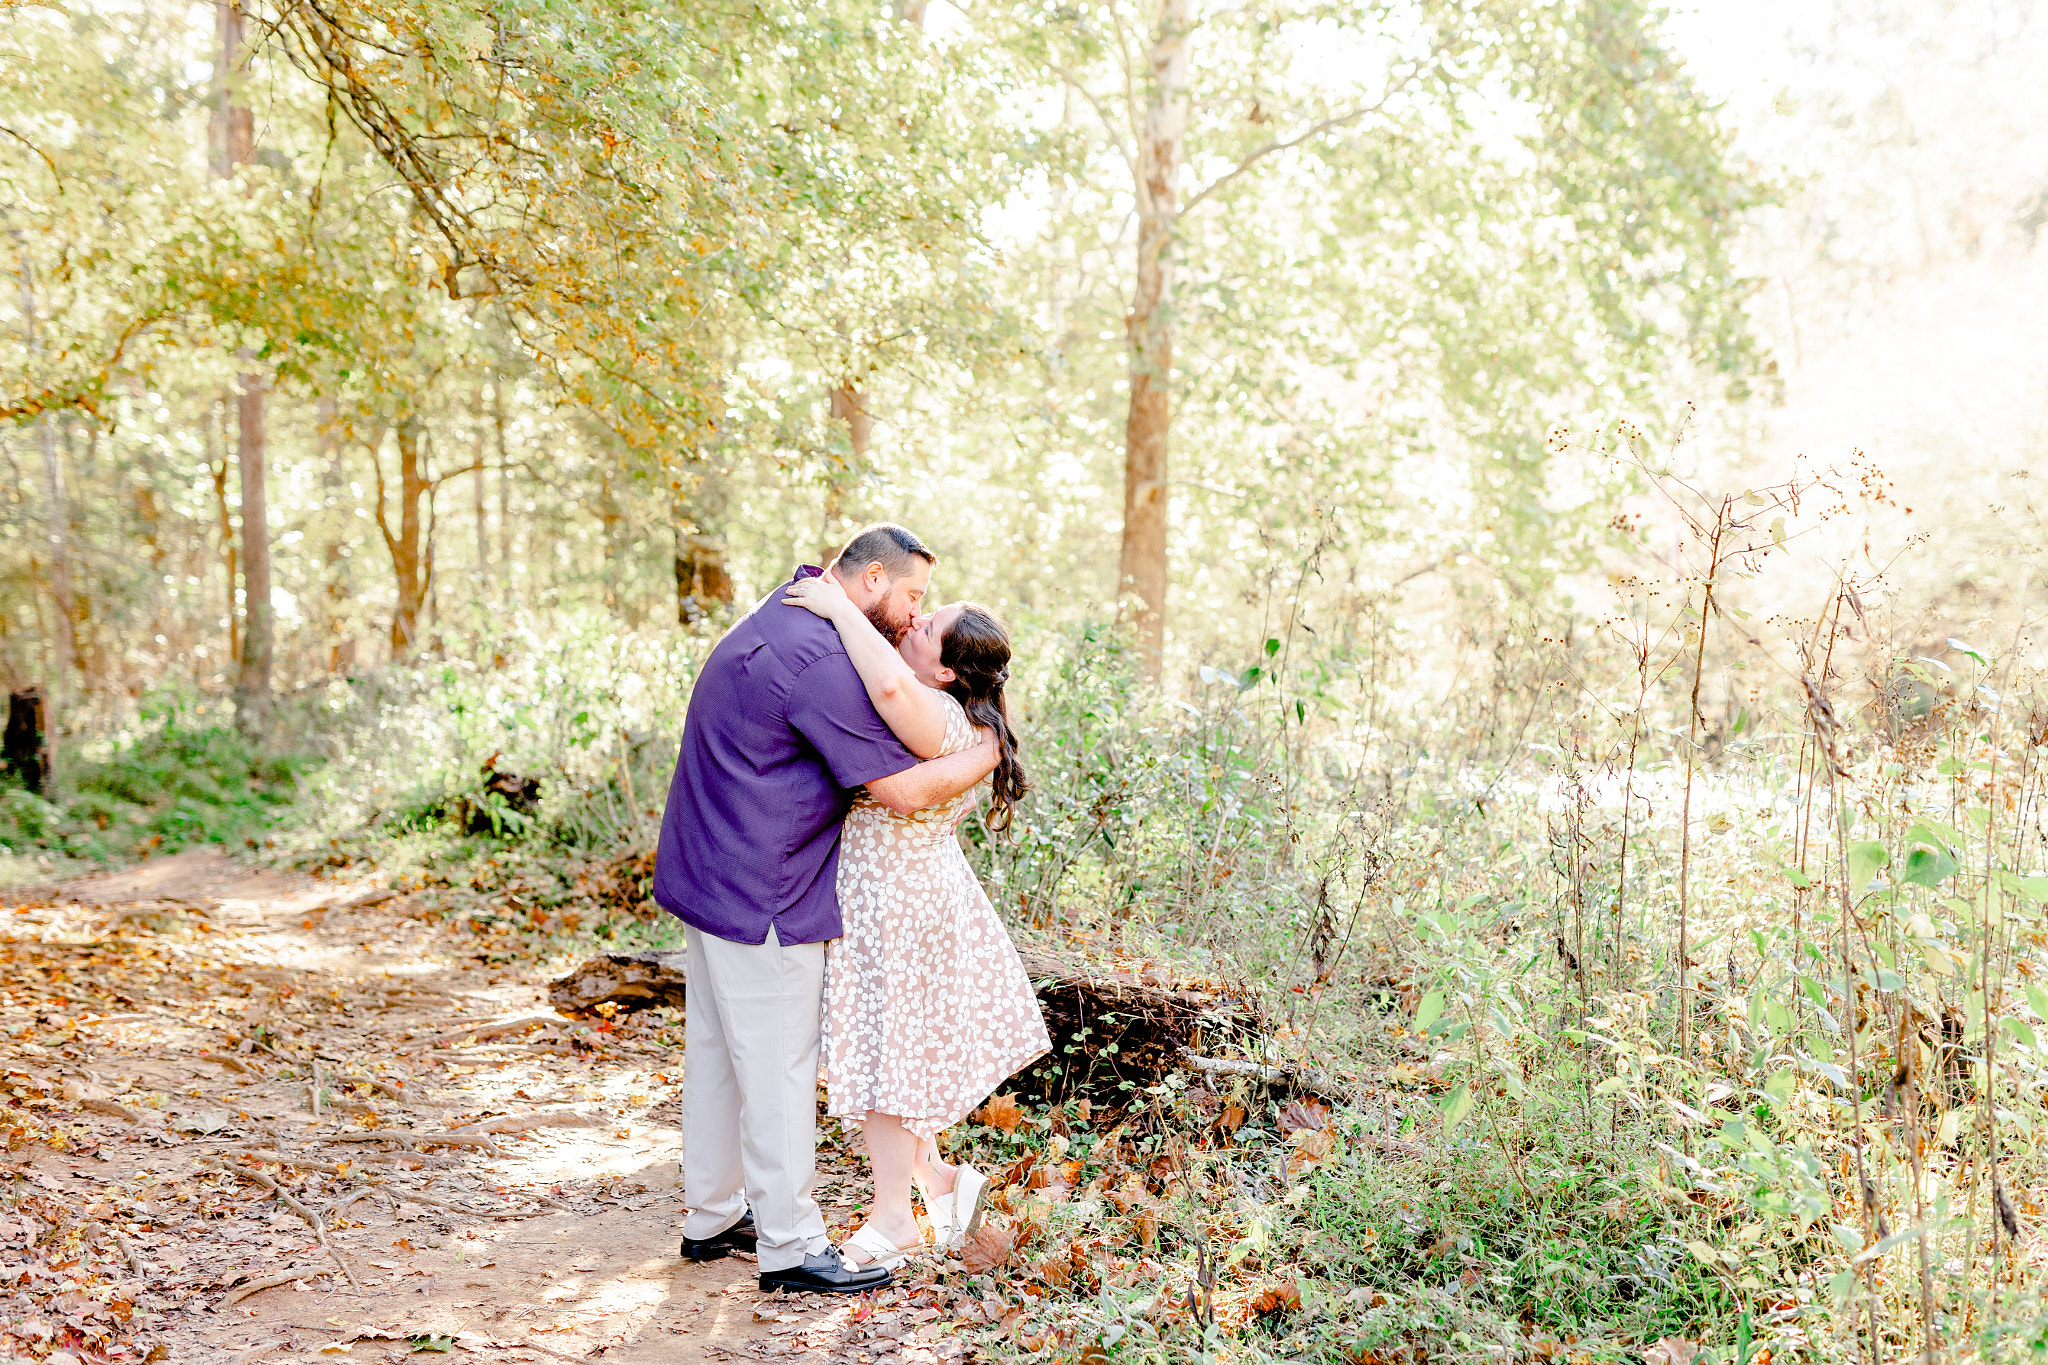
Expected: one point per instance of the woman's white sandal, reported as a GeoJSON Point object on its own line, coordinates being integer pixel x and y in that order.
{"type": "Point", "coordinates": [961, 1209]}
{"type": "Point", "coordinates": [879, 1249]}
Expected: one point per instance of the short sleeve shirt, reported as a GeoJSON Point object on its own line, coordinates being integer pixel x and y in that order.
{"type": "Point", "coordinates": [779, 736]}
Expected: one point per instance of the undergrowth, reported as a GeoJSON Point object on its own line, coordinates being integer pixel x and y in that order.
{"type": "Point", "coordinates": [1669, 990]}
{"type": "Point", "coordinates": [173, 782]}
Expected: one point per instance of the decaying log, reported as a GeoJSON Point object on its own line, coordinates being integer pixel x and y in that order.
{"type": "Point", "coordinates": [632, 981]}
{"type": "Point", "coordinates": [1116, 1032]}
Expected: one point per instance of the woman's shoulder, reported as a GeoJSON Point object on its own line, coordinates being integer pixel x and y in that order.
{"type": "Point", "coordinates": [959, 730]}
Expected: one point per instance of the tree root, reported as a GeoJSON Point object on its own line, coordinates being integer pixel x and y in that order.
{"type": "Point", "coordinates": [285, 1198]}
{"type": "Point", "coordinates": [243, 1291]}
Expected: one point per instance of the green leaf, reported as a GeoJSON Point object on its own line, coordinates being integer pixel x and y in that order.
{"type": "Point", "coordinates": [2038, 998]}
{"type": "Point", "coordinates": [1429, 1010]}
{"type": "Point", "coordinates": [1864, 861]}
{"type": "Point", "coordinates": [1251, 678]}
{"type": "Point", "coordinates": [1929, 867]}
{"type": "Point", "coordinates": [2021, 1031]}
{"type": "Point", "coordinates": [430, 1342]}
{"type": "Point", "coordinates": [1272, 648]}
{"type": "Point", "coordinates": [1456, 1105]}
{"type": "Point", "coordinates": [2034, 889]}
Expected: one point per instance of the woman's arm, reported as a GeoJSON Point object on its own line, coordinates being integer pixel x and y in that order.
{"type": "Point", "coordinates": [909, 708]}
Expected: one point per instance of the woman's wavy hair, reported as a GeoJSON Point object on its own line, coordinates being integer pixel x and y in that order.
{"type": "Point", "coordinates": [977, 649]}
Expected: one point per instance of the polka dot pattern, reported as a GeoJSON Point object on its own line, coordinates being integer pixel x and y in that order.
{"type": "Point", "coordinates": [927, 1007]}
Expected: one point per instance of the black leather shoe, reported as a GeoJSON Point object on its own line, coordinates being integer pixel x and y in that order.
{"type": "Point", "coordinates": [826, 1274]}
{"type": "Point", "coordinates": [738, 1237]}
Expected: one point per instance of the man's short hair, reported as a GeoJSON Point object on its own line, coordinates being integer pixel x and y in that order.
{"type": "Point", "coordinates": [887, 544]}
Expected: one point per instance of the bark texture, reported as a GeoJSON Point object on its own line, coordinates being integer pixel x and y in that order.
{"type": "Point", "coordinates": [1148, 327]}
{"type": "Point", "coordinates": [850, 407]}
{"type": "Point", "coordinates": [235, 125]}
{"type": "Point", "coordinates": [411, 547]}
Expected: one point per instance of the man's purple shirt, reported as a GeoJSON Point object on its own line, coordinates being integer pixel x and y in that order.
{"type": "Point", "coordinates": [780, 733]}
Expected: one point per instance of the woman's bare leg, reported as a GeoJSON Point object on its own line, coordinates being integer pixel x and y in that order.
{"type": "Point", "coordinates": [934, 1173]}
{"type": "Point", "coordinates": [892, 1157]}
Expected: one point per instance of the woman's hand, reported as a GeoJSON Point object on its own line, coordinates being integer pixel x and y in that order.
{"type": "Point", "coordinates": [821, 596]}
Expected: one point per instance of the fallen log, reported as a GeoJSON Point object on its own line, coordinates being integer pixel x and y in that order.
{"type": "Point", "coordinates": [1117, 1031]}
{"type": "Point", "coordinates": [632, 981]}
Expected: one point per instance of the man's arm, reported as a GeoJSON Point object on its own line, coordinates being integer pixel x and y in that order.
{"type": "Point", "coordinates": [936, 779]}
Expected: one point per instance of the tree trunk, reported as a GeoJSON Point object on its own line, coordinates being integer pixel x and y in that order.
{"type": "Point", "coordinates": [57, 516]}
{"type": "Point", "coordinates": [235, 125]}
{"type": "Point", "coordinates": [252, 688]}
{"type": "Point", "coordinates": [848, 406]}
{"type": "Point", "coordinates": [703, 584]}
{"type": "Point", "coordinates": [341, 650]}
{"type": "Point", "coordinates": [483, 517]}
{"type": "Point", "coordinates": [1149, 330]}
{"type": "Point", "coordinates": [412, 551]}
{"type": "Point", "coordinates": [217, 464]}
{"type": "Point", "coordinates": [504, 494]}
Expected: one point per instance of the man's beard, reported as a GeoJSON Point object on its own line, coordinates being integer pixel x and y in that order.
{"type": "Point", "coordinates": [891, 630]}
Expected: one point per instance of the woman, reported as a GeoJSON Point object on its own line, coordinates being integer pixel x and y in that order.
{"type": "Point", "coordinates": [927, 1009]}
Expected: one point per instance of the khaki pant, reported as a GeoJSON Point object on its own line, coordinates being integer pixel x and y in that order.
{"type": "Point", "coordinates": [750, 1093]}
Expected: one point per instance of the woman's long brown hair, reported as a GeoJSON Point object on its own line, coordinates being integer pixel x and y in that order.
{"type": "Point", "coordinates": [977, 649]}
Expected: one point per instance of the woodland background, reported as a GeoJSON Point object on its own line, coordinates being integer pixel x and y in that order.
{"type": "Point", "coordinates": [1515, 514]}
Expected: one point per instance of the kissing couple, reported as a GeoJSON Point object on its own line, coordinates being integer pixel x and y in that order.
{"type": "Point", "coordinates": [835, 738]}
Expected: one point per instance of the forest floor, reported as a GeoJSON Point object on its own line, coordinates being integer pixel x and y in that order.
{"type": "Point", "coordinates": [262, 1118]}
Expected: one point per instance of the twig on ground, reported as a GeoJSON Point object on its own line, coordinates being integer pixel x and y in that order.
{"type": "Point", "coordinates": [111, 1108]}
{"type": "Point", "coordinates": [231, 1062]}
{"type": "Point", "coordinates": [417, 1197]}
{"type": "Point", "coordinates": [243, 1291]}
{"type": "Point", "coordinates": [284, 1197]}
{"type": "Point", "coordinates": [1268, 1074]}
{"type": "Point", "coordinates": [537, 1118]}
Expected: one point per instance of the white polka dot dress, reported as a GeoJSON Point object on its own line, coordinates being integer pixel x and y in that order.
{"type": "Point", "coordinates": [927, 1008]}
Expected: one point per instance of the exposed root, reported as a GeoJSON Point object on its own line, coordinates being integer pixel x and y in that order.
{"type": "Point", "coordinates": [285, 1198]}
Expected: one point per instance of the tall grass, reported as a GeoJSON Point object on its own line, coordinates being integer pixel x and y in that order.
{"type": "Point", "coordinates": [1686, 970]}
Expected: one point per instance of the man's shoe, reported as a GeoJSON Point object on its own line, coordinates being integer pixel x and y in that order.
{"type": "Point", "coordinates": [738, 1237]}
{"type": "Point", "coordinates": [826, 1274]}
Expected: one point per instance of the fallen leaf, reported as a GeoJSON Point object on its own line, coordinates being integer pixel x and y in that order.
{"type": "Point", "coordinates": [1672, 1351]}
{"type": "Point", "coordinates": [1001, 1112]}
{"type": "Point", "coordinates": [1278, 1299]}
{"type": "Point", "coordinates": [988, 1249]}
{"type": "Point", "coordinates": [1232, 1116]}
{"type": "Point", "coordinates": [1301, 1115]}
{"type": "Point", "coordinates": [202, 1122]}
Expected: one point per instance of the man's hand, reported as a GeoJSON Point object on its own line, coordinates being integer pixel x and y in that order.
{"type": "Point", "coordinates": [937, 779]}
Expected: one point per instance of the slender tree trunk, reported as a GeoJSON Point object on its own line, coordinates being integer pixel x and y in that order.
{"type": "Point", "coordinates": [412, 552]}
{"type": "Point", "coordinates": [341, 652]}
{"type": "Point", "coordinates": [848, 406]}
{"type": "Point", "coordinates": [57, 532]}
{"type": "Point", "coordinates": [1149, 329]}
{"type": "Point", "coordinates": [236, 125]}
{"type": "Point", "coordinates": [217, 464]}
{"type": "Point", "coordinates": [483, 516]}
{"type": "Point", "coordinates": [252, 689]}
{"type": "Point", "coordinates": [703, 584]}
{"type": "Point", "coordinates": [504, 494]}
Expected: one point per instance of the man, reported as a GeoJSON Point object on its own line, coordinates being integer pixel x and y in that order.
{"type": "Point", "coordinates": [779, 735]}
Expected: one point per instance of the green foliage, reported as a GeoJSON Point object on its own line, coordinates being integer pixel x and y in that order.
{"type": "Point", "coordinates": [170, 786]}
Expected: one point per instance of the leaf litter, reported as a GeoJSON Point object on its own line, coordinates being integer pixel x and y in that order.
{"type": "Point", "coordinates": [258, 1117]}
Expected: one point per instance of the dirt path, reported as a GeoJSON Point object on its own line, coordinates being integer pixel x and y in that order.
{"type": "Point", "coordinates": [497, 1180]}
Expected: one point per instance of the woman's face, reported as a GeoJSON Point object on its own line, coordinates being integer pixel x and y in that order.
{"type": "Point", "coordinates": [923, 642]}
